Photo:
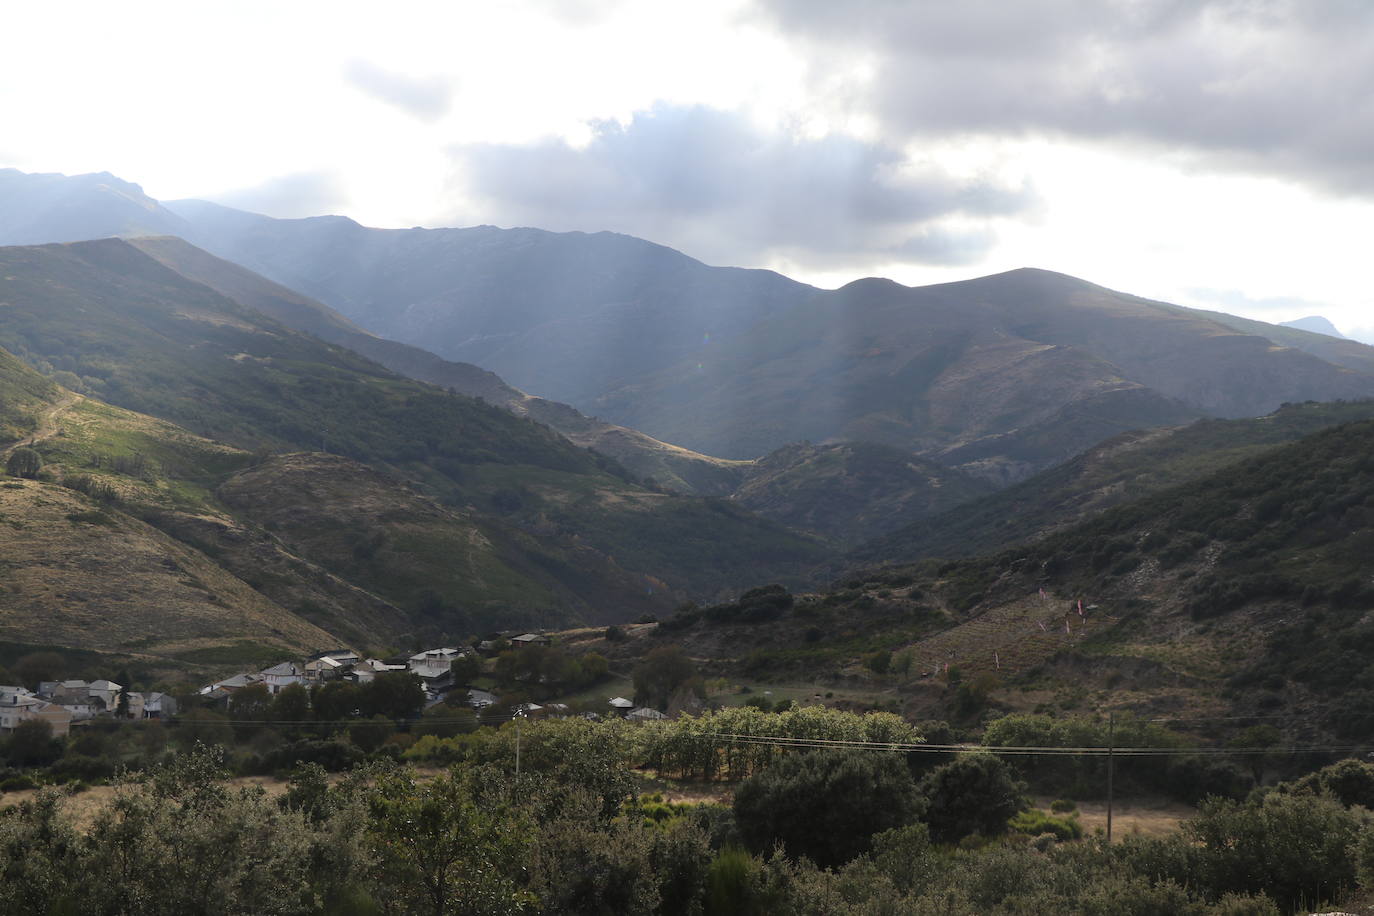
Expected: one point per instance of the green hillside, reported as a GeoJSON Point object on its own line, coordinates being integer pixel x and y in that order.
{"type": "Point", "coordinates": [1245, 592]}
{"type": "Point", "coordinates": [1118, 470]}
{"type": "Point", "coordinates": [122, 327]}
{"type": "Point", "coordinates": [851, 491]}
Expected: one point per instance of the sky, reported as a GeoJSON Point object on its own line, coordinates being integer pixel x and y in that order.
{"type": "Point", "coordinates": [1215, 154]}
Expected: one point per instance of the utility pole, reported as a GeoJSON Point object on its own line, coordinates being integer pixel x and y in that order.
{"type": "Point", "coordinates": [1111, 742]}
{"type": "Point", "coordinates": [518, 717]}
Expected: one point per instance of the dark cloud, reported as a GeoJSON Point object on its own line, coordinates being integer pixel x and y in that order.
{"type": "Point", "coordinates": [425, 98]}
{"type": "Point", "coordinates": [290, 196]}
{"type": "Point", "coordinates": [715, 185]}
{"type": "Point", "coordinates": [1282, 87]}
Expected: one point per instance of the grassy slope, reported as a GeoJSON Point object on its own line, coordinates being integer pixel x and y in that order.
{"type": "Point", "coordinates": [24, 394]}
{"type": "Point", "coordinates": [76, 573]}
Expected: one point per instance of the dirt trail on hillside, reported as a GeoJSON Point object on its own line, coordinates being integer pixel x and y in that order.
{"type": "Point", "coordinates": [47, 424]}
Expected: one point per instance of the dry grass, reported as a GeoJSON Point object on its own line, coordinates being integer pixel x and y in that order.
{"type": "Point", "coordinates": [1137, 816]}
{"type": "Point", "coordinates": [83, 807]}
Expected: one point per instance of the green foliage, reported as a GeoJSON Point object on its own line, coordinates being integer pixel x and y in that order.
{"type": "Point", "coordinates": [972, 794]}
{"type": "Point", "coordinates": [23, 462]}
{"type": "Point", "coordinates": [445, 846]}
{"type": "Point", "coordinates": [826, 805]}
{"type": "Point", "coordinates": [1295, 849]}
{"type": "Point", "coordinates": [1034, 822]}
{"type": "Point", "coordinates": [662, 673]}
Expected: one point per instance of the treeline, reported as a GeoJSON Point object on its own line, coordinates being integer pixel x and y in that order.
{"type": "Point", "coordinates": [814, 831]}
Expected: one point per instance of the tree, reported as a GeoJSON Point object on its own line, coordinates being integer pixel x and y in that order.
{"type": "Point", "coordinates": [291, 705]}
{"type": "Point", "coordinates": [24, 462]}
{"type": "Point", "coordinates": [395, 695]}
{"type": "Point", "coordinates": [31, 743]}
{"type": "Point", "coordinates": [39, 666]}
{"type": "Point", "coordinates": [974, 793]}
{"type": "Point", "coordinates": [663, 671]}
{"type": "Point", "coordinates": [826, 805]}
{"type": "Point", "coordinates": [443, 851]}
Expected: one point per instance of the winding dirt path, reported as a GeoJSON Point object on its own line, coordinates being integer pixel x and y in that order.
{"type": "Point", "coordinates": [47, 424]}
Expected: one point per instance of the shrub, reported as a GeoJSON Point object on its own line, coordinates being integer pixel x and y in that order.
{"type": "Point", "coordinates": [826, 805]}
{"type": "Point", "coordinates": [974, 793]}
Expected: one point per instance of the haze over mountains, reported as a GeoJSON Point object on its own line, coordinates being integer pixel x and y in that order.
{"type": "Point", "coordinates": [1001, 376]}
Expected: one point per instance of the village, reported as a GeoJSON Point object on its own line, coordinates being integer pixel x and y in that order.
{"type": "Point", "coordinates": [70, 704]}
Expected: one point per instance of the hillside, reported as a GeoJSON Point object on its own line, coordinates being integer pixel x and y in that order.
{"type": "Point", "coordinates": [1121, 469]}
{"type": "Point", "coordinates": [1000, 376]}
{"type": "Point", "coordinates": [853, 491]}
{"type": "Point", "coordinates": [81, 569]}
{"type": "Point", "coordinates": [676, 468]}
{"type": "Point", "coordinates": [1242, 593]}
{"type": "Point", "coordinates": [115, 322]}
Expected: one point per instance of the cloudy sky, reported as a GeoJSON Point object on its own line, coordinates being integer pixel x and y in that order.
{"type": "Point", "coordinates": [1218, 154]}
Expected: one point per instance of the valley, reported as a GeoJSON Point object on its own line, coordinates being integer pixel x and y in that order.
{"type": "Point", "coordinates": [1017, 518]}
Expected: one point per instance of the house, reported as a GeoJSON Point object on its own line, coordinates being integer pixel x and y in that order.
{"type": "Point", "coordinates": [645, 714]}
{"type": "Point", "coordinates": [81, 712]}
{"type": "Point", "coordinates": [136, 703]}
{"type": "Point", "coordinates": [433, 663]}
{"type": "Point", "coordinates": [529, 639]}
{"type": "Point", "coordinates": [159, 705]}
{"type": "Point", "coordinates": [324, 668]}
{"type": "Point", "coordinates": [345, 657]}
{"type": "Point", "coordinates": [283, 675]}
{"type": "Point", "coordinates": [59, 718]}
{"type": "Point", "coordinates": [74, 691]}
{"type": "Point", "coordinates": [229, 685]}
{"type": "Point", "coordinates": [480, 699]}
{"type": "Point", "coordinates": [620, 706]}
{"type": "Point", "coordinates": [106, 692]}
{"type": "Point", "coordinates": [16, 708]}
{"type": "Point", "coordinates": [366, 672]}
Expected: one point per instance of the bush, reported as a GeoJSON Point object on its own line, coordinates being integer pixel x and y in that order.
{"type": "Point", "coordinates": [972, 794]}
{"type": "Point", "coordinates": [1035, 822]}
{"type": "Point", "coordinates": [826, 805]}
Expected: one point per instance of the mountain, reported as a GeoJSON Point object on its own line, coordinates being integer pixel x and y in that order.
{"type": "Point", "coordinates": [1001, 375]}
{"type": "Point", "coordinates": [562, 315]}
{"type": "Point", "coordinates": [1316, 324]}
{"type": "Point", "coordinates": [676, 468]}
{"type": "Point", "coordinates": [41, 208]}
{"type": "Point", "coordinates": [114, 322]}
{"type": "Point", "coordinates": [1121, 469]}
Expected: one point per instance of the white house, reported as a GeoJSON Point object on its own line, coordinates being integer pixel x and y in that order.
{"type": "Point", "coordinates": [283, 675]}
{"type": "Point", "coordinates": [434, 662]}
{"type": "Point", "coordinates": [157, 705]}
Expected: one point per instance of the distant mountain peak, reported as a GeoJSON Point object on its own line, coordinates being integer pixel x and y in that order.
{"type": "Point", "coordinates": [1316, 324]}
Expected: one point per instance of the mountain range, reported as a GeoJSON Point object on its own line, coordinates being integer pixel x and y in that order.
{"type": "Point", "coordinates": [999, 376]}
{"type": "Point", "coordinates": [245, 400]}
